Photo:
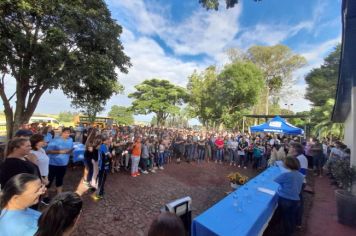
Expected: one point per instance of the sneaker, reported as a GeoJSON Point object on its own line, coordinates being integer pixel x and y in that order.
{"type": "Point", "coordinates": [153, 171]}
{"type": "Point", "coordinates": [245, 167]}
{"type": "Point", "coordinates": [155, 168]}
{"type": "Point", "coordinates": [145, 172]}
{"type": "Point", "coordinates": [137, 173]}
{"type": "Point", "coordinates": [133, 175]}
{"type": "Point", "coordinates": [161, 168]}
{"type": "Point", "coordinates": [216, 161]}
{"type": "Point", "coordinates": [239, 166]}
{"type": "Point", "coordinates": [230, 164]}
{"type": "Point", "coordinates": [96, 197]}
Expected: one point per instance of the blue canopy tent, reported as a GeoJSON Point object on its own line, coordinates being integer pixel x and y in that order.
{"type": "Point", "coordinates": [277, 125]}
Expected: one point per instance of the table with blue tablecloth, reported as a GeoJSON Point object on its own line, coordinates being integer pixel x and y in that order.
{"type": "Point", "coordinates": [246, 211]}
{"type": "Point", "coordinates": [78, 152]}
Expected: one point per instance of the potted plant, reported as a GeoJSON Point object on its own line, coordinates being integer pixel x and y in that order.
{"type": "Point", "coordinates": [345, 176]}
{"type": "Point", "coordinates": [237, 179]}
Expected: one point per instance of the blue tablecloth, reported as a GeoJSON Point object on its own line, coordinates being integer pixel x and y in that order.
{"type": "Point", "coordinates": [226, 219]}
{"type": "Point", "coordinates": [78, 152]}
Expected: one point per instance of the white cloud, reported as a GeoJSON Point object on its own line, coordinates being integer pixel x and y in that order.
{"type": "Point", "coordinates": [203, 32]}
{"type": "Point", "coordinates": [314, 55]}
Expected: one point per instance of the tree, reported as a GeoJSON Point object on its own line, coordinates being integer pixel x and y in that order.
{"type": "Point", "coordinates": [225, 97]}
{"type": "Point", "coordinates": [322, 81]}
{"type": "Point", "coordinates": [122, 115]}
{"type": "Point", "coordinates": [214, 4]}
{"type": "Point", "coordinates": [159, 97]}
{"type": "Point", "coordinates": [277, 63]}
{"type": "Point", "coordinates": [322, 126]}
{"type": "Point", "coordinates": [69, 45]}
{"type": "Point", "coordinates": [203, 102]}
{"type": "Point", "coordinates": [66, 116]}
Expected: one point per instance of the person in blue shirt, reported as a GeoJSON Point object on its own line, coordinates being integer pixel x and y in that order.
{"type": "Point", "coordinates": [58, 151]}
{"type": "Point", "coordinates": [104, 166]}
{"type": "Point", "coordinates": [18, 194]}
{"type": "Point", "coordinates": [290, 186]}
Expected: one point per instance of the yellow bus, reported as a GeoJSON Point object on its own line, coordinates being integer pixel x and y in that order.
{"type": "Point", "coordinates": [100, 122]}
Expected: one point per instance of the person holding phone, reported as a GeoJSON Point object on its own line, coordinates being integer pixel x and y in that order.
{"type": "Point", "coordinates": [59, 150]}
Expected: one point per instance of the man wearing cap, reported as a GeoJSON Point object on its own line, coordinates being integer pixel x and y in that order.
{"type": "Point", "coordinates": [24, 131]}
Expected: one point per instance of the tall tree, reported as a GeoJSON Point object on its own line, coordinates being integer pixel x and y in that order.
{"type": "Point", "coordinates": [203, 102]}
{"type": "Point", "coordinates": [214, 4]}
{"type": "Point", "coordinates": [277, 63]}
{"type": "Point", "coordinates": [225, 97]}
{"type": "Point", "coordinates": [159, 97]}
{"type": "Point", "coordinates": [45, 45]}
{"type": "Point", "coordinates": [322, 81]}
{"type": "Point", "coordinates": [122, 115]}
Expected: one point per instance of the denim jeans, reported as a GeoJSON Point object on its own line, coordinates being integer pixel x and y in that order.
{"type": "Point", "coordinates": [242, 161]}
{"type": "Point", "coordinates": [219, 154]}
{"type": "Point", "coordinates": [144, 163]}
{"type": "Point", "coordinates": [233, 156]}
{"type": "Point", "coordinates": [288, 209]}
{"type": "Point", "coordinates": [101, 182]}
{"type": "Point", "coordinates": [201, 154]}
{"type": "Point", "coordinates": [160, 158]}
{"type": "Point", "coordinates": [135, 160]}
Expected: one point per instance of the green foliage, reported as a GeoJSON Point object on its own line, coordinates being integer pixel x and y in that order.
{"type": "Point", "coordinates": [344, 174]}
{"type": "Point", "coordinates": [122, 115]}
{"type": "Point", "coordinates": [214, 4]}
{"type": "Point", "coordinates": [66, 116]}
{"type": "Point", "coordinates": [159, 97]}
{"type": "Point", "coordinates": [321, 123]}
{"type": "Point", "coordinates": [322, 81]}
{"type": "Point", "coordinates": [225, 97]}
{"type": "Point", "coordinates": [69, 45]}
{"type": "Point", "coordinates": [277, 63]}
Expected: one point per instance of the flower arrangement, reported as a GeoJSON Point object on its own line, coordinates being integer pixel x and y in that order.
{"type": "Point", "coordinates": [237, 178]}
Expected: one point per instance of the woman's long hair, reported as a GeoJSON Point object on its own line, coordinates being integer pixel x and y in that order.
{"type": "Point", "coordinates": [15, 186]}
{"type": "Point", "coordinates": [61, 215]}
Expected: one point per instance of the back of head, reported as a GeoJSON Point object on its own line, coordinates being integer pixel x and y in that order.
{"type": "Point", "coordinates": [61, 215]}
{"type": "Point", "coordinates": [292, 163]}
{"type": "Point", "coordinates": [15, 186]}
{"type": "Point", "coordinates": [167, 224]}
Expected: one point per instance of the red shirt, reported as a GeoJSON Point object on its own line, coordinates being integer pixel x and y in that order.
{"type": "Point", "coordinates": [219, 143]}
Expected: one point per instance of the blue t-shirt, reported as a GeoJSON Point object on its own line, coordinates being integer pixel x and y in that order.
{"type": "Point", "coordinates": [104, 159]}
{"type": "Point", "coordinates": [48, 137]}
{"type": "Point", "coordinates": [59, 143]}
{"type": "Point", "coordinates": [18, 222]}
{"type": "Point", "coordinates": [290, 184]}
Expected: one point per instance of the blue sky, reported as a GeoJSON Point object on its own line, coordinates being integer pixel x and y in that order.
{"type": "Point", "coordinates": [169, 39]}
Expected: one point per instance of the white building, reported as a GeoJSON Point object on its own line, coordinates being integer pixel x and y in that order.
{"type": "Point", "coordinates": [345, 105]}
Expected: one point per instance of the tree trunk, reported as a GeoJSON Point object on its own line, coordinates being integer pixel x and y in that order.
{"type": "Point", "coordinates": [267, 103]}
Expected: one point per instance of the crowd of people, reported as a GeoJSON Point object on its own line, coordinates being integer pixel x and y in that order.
{"type": "Point", "coordinates": [37, 157]}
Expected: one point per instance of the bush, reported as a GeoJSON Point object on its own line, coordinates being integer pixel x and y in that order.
{"type": "Point", "coordinates": [344, 174]}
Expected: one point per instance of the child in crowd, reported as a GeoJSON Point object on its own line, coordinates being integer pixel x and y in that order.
{"type": "Point", "coordinates": [104, 166]}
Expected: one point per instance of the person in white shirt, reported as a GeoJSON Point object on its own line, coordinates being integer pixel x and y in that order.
{"type": "Point", "coordinates": [41, 158]}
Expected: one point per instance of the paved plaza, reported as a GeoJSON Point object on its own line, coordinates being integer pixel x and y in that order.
{"type": "Point", "coordinates": [130, 203]}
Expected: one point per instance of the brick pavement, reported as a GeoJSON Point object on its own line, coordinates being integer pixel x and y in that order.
{"type": "Point", "coordinates": [130, 204]}
{"type": "Point", "coordinates": [323, 215]}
